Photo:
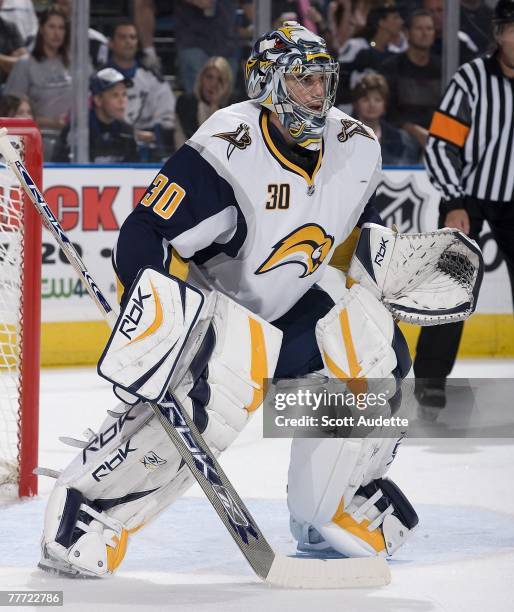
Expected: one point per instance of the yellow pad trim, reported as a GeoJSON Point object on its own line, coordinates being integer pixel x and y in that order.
{"type": "Point", "coordinates": [355, 383]}
{"type": "Point", "coordinates": [344, 320]}
{"type": "Point", "coordinates": [259, 367]}
{"type": "Point", "coordinates": [309, 141]}
{"type": "Point", "coordinates": [374, 538]}
{"type": "Point", "coordinates": [115, 555]}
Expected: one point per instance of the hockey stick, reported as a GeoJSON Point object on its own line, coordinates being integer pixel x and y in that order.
{"type": "Point", "coordinates": [274, 568]}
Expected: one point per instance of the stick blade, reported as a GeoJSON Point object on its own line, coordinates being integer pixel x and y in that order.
{"type": "Point", "coordinates": [298, 573]}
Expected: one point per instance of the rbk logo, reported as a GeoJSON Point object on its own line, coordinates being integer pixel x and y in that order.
{"type": "Point", "coordinates": [111, 464]}
{"type": "Point", "coordinates": [134, 312]}
{"type": "Point", "coordinates": [379, 257]}
{"type": "Point", "coordinates": [307, 246]}
{"type": "Point", "coordinates": [238, 139]}
{"type": "Point", "coordinates": [232, 508]}
{"type": "Point", "coordinates": [103, 438]}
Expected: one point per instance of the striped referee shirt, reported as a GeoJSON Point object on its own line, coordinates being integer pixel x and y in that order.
{"type": "Point", "coordinates": [470, 148]}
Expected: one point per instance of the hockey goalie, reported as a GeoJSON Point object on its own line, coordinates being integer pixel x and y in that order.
{"type": "Point", "coordinates": [218, 268]}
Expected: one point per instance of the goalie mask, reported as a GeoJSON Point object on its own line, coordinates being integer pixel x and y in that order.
{"type": "Point", "coordinates": [291, 73]}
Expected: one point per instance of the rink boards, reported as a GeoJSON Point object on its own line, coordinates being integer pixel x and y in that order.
{"type": "Point", "coordinates": [92, 203]}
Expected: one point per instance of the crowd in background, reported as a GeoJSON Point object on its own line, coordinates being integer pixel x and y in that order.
{"type": "Point", "coordinates": [145, 101]}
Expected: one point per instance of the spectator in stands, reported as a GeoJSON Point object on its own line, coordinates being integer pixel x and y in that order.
{"type": "Point", "coordinates": [468, 49]}
{"type": "Point", "coordinates": [146, 13]}
{"type": "Point", "coordinates": [23, 15]}
{"type": "Point", "coordinates": [11, 47]}
{"type": "Point", "coordinates": [476, 21]}
{"type": "Point", "coordinates": [212, 91]}
{"type": "Point", "coordinates": [203, 29]}
{"type": "Point", "coordinates": [98, 43]}
{"type": "Point", "coordinates": [414, 78]}
{"type": "Point", "coordinates": [15, 106]}
{"type": "Point", "coordinates": [345, 18]}
{"type": "Point", "coordinates": [111, 139]}
{"type": "Point", "coordinates": [246, 25]}
{"type": "Point", "coordinates": [310, 13]}
{"type": "Point", "coordinates": [365, 53]}
{"type": "Point", "coordinates": [341, 24]}
{"type": "Point", "coordinates": [369, 106]}
{"type": "Point", "coordinates": [44, 77]}
{"type": "Point", "coordinates": [151, 103]}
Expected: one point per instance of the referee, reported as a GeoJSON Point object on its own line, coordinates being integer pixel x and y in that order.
{"type": "Point", "coordinates": [470, 160]}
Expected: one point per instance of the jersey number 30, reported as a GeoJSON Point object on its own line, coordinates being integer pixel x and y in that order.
{"type": "Point", "coordinates": [163, 196]}
{"type": "Point", "coordinates": [278, 196]}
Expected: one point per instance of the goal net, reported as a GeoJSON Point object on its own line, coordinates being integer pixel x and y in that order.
{"type": "Point", "coordinates": [20, 295]}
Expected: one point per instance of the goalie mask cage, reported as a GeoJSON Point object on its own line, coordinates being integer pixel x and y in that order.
{"type": "Point", "coordinates": [20, 316]}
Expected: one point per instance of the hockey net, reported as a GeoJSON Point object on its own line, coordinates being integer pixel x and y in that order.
{"type": "Point", "coordinates": [20, 305]}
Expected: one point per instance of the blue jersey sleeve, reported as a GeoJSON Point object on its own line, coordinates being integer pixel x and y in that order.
{"type": "Point", "coordinates": [189, 207]}
{"type": "Point", "coordinates": [370, 214]}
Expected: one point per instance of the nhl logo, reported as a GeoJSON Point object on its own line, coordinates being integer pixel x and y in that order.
{"type": "Point", "coordinates": [400, 204]}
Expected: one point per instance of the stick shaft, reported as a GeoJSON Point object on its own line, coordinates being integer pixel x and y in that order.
{"type": "Point", "coordinates": [52, 224]}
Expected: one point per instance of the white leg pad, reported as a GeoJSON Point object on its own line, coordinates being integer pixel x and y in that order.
{"type": "Point", "coordinates": [334, 485]}
{"type": "Point", "coordinates": [329, 489]}
{"type": "Point", "coordinates": [130, 471]}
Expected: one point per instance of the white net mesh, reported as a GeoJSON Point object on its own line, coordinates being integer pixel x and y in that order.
{"type": "Point", "coordinates": [11, 282]}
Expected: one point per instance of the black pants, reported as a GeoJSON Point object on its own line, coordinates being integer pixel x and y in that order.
{"type": "Point", "coordinates": [437, 346]}
{"type": "Point", "coordinates": [299, 353]}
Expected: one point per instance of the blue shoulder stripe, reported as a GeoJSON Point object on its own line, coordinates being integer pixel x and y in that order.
{"type": "Point", "coordinates": [203, 193]}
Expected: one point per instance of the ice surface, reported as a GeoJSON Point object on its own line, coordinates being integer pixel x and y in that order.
{"type": "Point", "coordinates": [460, 559]}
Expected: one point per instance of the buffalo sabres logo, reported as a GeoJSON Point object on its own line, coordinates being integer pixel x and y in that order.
{"type": "Point", "coordinates": [238, 139]}
{"type": "Point", "coordinates": [351, 128]}
{"type": "Point", "coordinates": [152, 461]}
{"type": "Point", "coordinates": [307, 246]}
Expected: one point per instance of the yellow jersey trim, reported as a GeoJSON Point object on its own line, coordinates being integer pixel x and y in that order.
{"type": "Point", "coordinates": [343, 252]}
{"type": "Point", "coordinates": [264, 123]}
{"type": "Point", "coordinates": [178, 267]}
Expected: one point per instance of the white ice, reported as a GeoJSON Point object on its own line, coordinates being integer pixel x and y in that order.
{"type": "Point", "coordinates": [460, 559]}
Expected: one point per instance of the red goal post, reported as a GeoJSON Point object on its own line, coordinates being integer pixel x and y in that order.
{"type": "Point", "coordinates": [20, 315]}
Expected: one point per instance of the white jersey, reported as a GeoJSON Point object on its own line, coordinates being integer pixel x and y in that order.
{"type": "Point", "coordinates": [150, 101]}
{"type": "Point", "coordinates": [259, 227]}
